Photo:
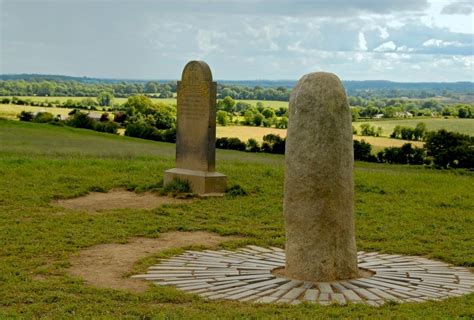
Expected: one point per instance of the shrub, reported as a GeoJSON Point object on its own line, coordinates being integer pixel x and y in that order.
{"type": "Point", "coordinates": [230, 143]}
{"type": "Point", "coordinates": [168, 135]}
{"type": "Point", "coordinates": [252, 146]}
{"type": "Point", "coordinates": [282, 123]}
{"type": "Point", "coordinates": [403, 155]}
{"type": "Point", "coordinates": [106, 126]}
{"type": "Point", "coordinates": [43, 117]}
{"type": "Point", "coordinates": [176, 186]}
{"type": "Point", "coordinates": [268, 113]}
{"type": "Point", "coordinates": [236, 190]}
{"type": "Point", "coordinates": [222, 117]}
{"type": "Point", "coordinates": [164, 115]}
{"type": "Point", "coordinates": [5, 101]}
{"type": "Point", "coordinates": [367, 130]}
{"type": "Point", "coordinates": [273, 143]}
{"type": "Point", "coordinates": [139, 130]}
{"type": "Point", "coordinates": [257, 119]}
{"type": "Point", "coordinates": [120, 117]}
{"type": "Point", "coordinates": [363, 151]}
{"type": "Point", "coordinates": [81, 120]}
{"type": "Point", "coordinates": [104, 117]}
{"type": "Point", "coordinates": [25, 116]}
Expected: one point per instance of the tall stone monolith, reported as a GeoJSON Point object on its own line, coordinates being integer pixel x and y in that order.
{"type": "Point", "coordinates": [196, 131]}
{"type": "Point", "coordinates": [319, 186]}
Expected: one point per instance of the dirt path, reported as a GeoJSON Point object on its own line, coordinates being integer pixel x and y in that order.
{"type": "Point", "coordinates": [105, 265]}
{"type": "Point", "coordinates": [117, 199]}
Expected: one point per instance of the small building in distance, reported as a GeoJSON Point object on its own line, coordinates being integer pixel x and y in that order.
{"type": "Point", "coordinates": [404, 114]}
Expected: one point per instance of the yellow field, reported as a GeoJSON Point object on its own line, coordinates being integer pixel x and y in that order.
{"type": "Point", "coordinates": [271, 104]}
{"type": "Point", "coordinates": [11, 111]}
{"type": "Point", "coordinates": [465, 126]}
{"type": "Point", "coordinates": [246, 132]}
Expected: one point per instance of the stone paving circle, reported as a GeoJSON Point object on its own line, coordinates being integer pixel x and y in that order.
{"type": "Point", "coordinates": [246, 275]}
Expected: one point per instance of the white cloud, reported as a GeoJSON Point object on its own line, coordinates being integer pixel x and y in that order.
{"type": "Point", "coordinates": [442, 44]}
{"type": "Point", "coordinates": [404, 49]}
{"type": "Point", "coordinates": [206, 40]}
{"type": "Point", "coordinates": [362, 42]}
{"type": "Point", "coordinates": [384, 33]}
{"type": "Point", "coordinates": [386, 46]}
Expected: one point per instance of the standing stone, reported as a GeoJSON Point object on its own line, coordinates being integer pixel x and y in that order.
{"type": "Point", "coordinates": [319, 187]}
{"type": "Point", "coordinates": [196, 131]}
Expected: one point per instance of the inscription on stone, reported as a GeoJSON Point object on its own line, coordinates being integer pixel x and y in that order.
{"type": "Point", "coordinates": [196, 132]}
{"type": "Point", "coordinates": [195, 145]}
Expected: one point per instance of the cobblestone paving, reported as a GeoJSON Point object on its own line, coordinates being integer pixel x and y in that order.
{"type": "Point", "coordinates": [245, 275]}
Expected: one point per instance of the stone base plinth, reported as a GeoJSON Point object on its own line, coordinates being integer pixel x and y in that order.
{"type": "Point", "coordinates": [202, 183]}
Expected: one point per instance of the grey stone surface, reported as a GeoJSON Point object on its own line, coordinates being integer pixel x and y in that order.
{"type": "Point", "coordinates": [319, 186]}
{"type": "Point", "coordinates": [224, 275]}
{"type": "Point", "coordinates": [196, 131]}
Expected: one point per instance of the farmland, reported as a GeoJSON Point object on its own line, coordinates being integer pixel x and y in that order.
{"type": "Point", "coordinates": [465, 126]}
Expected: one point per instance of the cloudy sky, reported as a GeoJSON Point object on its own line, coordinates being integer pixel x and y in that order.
{"type": "Point", "coordinates": [399, 40]}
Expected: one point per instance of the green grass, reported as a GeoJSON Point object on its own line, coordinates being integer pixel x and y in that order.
{"type": "Point", "coordinates": [465, 126]}
{"type": "Point", "coordinates": [399, 209]}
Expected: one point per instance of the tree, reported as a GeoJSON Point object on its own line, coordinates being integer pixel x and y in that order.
{"type": "Point", "coordinates": [363, 151]}
{"type": "Point", "coordinates": [222, 117]}
{"type": "Point", "coordinates": [151, 87]}
{"type": "Point", "coordinates": [46, 88]}
{"type": "Point", "coordinates": [282, 123]}
{"type": "Point", "coordinates": [226, 104]}
{"type": "Point", "coordinates": [355, 114]}
{"type": "Point", "coordinates": [252, 146]}
{"type": "Point", "coordinates": [165, 116]}
{"type": "Point", "coordinates": [367, 130]}
{"type": "Point", "coordinates": [420, 131]}
{"type": "Point", "coordinates": [257, 119]}
{"type": "Point", "coordinates": [268, 113]}
{"type": "Point", "coordinates": [397, 132]}
{"type": "Point", "coordinates": [139, 104]}
{"type": "Point", "coordinates": [462, 113]}
{"type": "Point", "coordinates": [105, 99]}
{"type": "Point", "coordinates": [450, 149]}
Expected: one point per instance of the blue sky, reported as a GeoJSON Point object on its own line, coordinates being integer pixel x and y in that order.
{"type": "Point", "coordinates": [399, 40]}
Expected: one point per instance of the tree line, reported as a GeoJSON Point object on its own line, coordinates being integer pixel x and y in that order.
{"type": "Point", "coordinates": [142, 118]}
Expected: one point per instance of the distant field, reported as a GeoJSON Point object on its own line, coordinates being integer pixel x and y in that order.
{"type": "Point", "coordinates": [246, 132]}
{"type": "Point", "coordinates": [266, 103]}
{"type": "Point", "coordinates": [242, 132]}
{"type": "Point", "coordinates": [63, 99]}
{"type": "Point", "coordinates": [11, 111]}
{"type": "Point", "coordinates": [465, 126]}
{"type": "Point", "coordinates": [271, 104]}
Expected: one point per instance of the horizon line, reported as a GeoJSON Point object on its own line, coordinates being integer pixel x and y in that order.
{"type": "Point", "coordinates": [273, 80]}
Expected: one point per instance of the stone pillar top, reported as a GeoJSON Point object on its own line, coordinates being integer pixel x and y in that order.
{"type": "Point", "coordinates": [196, 71]}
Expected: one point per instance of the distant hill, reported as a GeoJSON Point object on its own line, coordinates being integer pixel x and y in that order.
{"type": "Point", "coordinates": [460, 91]}
{"type": "Point", "coordinates": [349, 84]}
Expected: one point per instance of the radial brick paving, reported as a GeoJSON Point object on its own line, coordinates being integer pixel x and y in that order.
{"type": "Point", "coordinates": [246, 275]}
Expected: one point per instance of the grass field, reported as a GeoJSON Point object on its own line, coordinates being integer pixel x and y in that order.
{"type": "Point", "coordinates": [465, 126]}
{"type": "Point", "coordinates": [11, 111]}
{"type": "Point", "coordinates": [272, 104]}
{"type": "Point", "coordinates": [246, 132]}
{"type": "Point", "coordinates": [399, 209]}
